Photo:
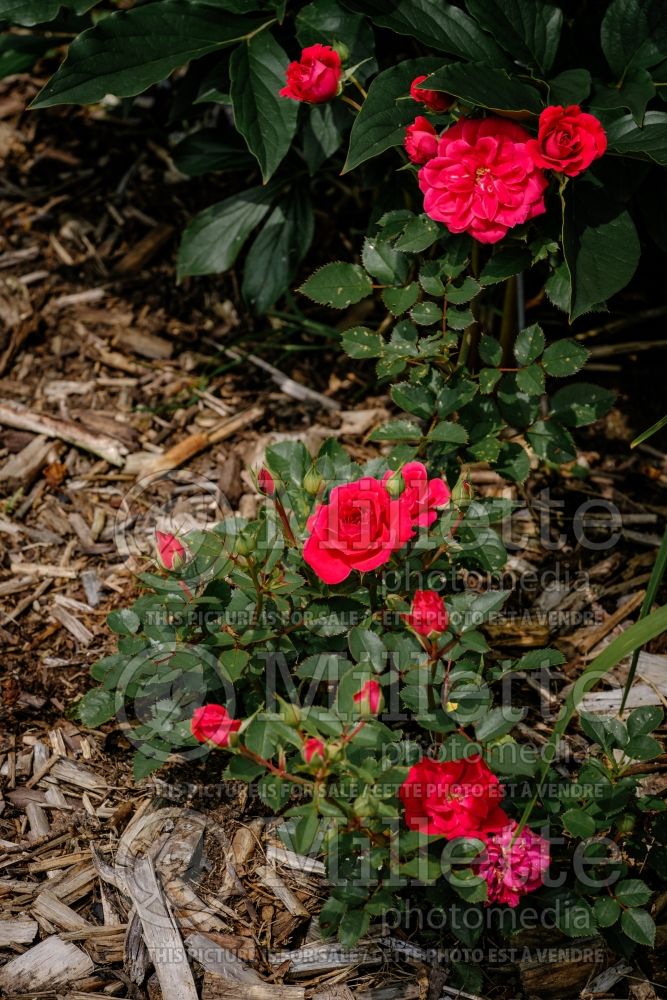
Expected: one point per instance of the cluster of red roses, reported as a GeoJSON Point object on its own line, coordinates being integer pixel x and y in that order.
{"type": "Point", "coordinates": [461, 798]}
{"type": "Point", "coordinates": [484, 176]}
{"type": "Point", "coordinates": [362, 525]}
{"type": "Point", "coordinates": [481, 176]}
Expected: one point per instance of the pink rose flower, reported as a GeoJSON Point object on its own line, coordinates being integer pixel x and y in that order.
{"type": "Point", "coordinates": [454, 798]}
{"type": "Point", "coordinates": [358, 529]}
{"type": "Point", "coordinates": [369, 699]}
{"type": "Point", "coordinates": [434, 100]}
{"type": "Point", "coordinates": [313, 749]}
{"type": "Point", "coordinates": [483, 180]}
{"type": "Point", "coordinates": [421, 496]}
{"type": "Point", "coordinates": [170, 551]}
{"type": "Point", "coordinates": [315, 78]}
{"type": "Point", "coordinates": [512, 868]}
{"type": "Point", "coordinates": [214, 724]}
{"type": "Point", "coordinates": [568, 140]}
{"type": "Point", "coordinates": [421, 140]}
{"type": "Point", "coordinates": [428, 614]}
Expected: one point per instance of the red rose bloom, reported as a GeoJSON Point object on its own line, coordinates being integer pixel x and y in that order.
{"type": "Point", "coordinates": [455, 798]}
{"type": "Point", "coordinates": [434, 100]}
{"type": "Point", "coordinates": [421, 140]}
{"type": "Point", "coordinates": [170, 552]}
{"type": "Point", "coordinates": [428, 613]}
{"type": "Point", "coordinates": [422, 497]}
{"type": "Point", "coordinates": [568, 140]}
{"type": "Point", "coordinates": [315, 78]}
{"type": "Point", "coordinates": [483, 181]}
{"type": "Point", "coordinates": [359, 528]}
{"type": "Point", "coordinates": [214, 724]}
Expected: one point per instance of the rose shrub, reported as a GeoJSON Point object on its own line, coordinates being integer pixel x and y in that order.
{"type": "Point", "coordinates": [358, 72]}
{"type": "Point", "coordinates": [370, 713]}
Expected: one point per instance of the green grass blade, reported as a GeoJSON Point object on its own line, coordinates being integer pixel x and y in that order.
{"type": "Point", "coordinates": [654, 582]}
{"type": "Point", "coordinates": [633, 638]}
{"type": "Point", "coordinates": [653, 429]}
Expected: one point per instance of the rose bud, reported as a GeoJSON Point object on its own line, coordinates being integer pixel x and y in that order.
{"type": "Point", "coordinates": [434, 100]}
{"type": "Point", "coordinates": [312, 481]}
{"type": "Point", "coordinates": [265, 482]}
{"type": "Point", "coordinates": [428, 615]}
{"type": "Point", "coordinates": [395, 483]}
{"type": "Point", "coordinates": [170, 551]}
{"type": "Point", "coordinates": [421, 140]}
{"type": "Point", "coordinates": [369, 699]}
{"type": "Point", "coordinates": [313, 750]}
{"type": "Point", "coordinates": [214, 724]}
{"type": "Point", "coordinates": [315, 78]}
{"type": "Point", "coordinates": [463, 492]}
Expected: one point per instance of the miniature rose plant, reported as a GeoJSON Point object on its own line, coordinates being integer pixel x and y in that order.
{"type": "Point", "coordinates": [331, 655]}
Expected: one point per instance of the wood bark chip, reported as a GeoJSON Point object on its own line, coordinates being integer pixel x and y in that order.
{"type": "Point", "coordinates": [160, 933]}
{"type": "Point", "coordinates": [19, 416]}
{"type": "Point", "coordinates": [52, 962]}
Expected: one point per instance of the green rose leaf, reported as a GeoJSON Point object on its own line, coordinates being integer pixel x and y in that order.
{"type": "Point", "coordinates": [563, 358]}
{"type": "Point", "coordinates": [579, 823]}
{"type": "Point", "coordinates": [639, 926]}
{"type": "Point", "coordinates": [529, 344]}
{"type": "Point", "coordinates": [338, 285]}
{"type": "Point", "coordinates": [128, 51]}
{"type": "Point", "coordinates": [360, 342]}
{"type": "Point", "coordinates": [399, 300]}
{"type": "Point", "coordinates": [632, 892]}
{"type": "Point", "coordinates": [490, 350]}
{"type": "Point", "coordinates": [96, 706]}
{"type": "Point", "coordinates": [123, 622]}
{"type": "Point", "coordinates": [581, 403]}
{"type": "Point", "coordinates": [606, 910]}
{"type": "Point", "coordinates": [552, 442]}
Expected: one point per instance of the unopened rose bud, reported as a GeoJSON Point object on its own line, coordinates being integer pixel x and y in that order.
{"type": "Point", "coordinates": [170, 551]}
{"type": "Point", "coordinates": [312, 481]}
{"type": "Point", "coordinates": [265, 482]}
{"type": "Point", "coordinates": [289, 713]}
{"type": "Point", "coordinates": [313, 750]}
{"type": "Point", "coordinates": [395, 484]}
{"type": "Point", "coordinates": [369, 699]}
{"type": "Point", "coordinates": [428, 614]}
{"type": "Point", "coordinates": [342, 50]}
{"type": "Point", "coordinates": [463, 492]}
{"type": "Point", "coordinates": [246, 543]}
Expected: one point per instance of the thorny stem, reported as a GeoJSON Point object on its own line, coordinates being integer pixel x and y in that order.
{"type": "Point", "coordinates": [279, 771]}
